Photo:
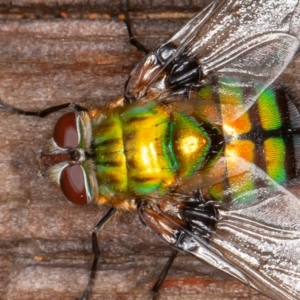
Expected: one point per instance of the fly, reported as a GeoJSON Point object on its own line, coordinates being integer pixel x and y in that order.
{"type": "Point", "coordinates": [201, 145]}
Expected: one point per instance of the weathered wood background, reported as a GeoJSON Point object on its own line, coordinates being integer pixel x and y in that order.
{"type": "Point", "coordinates": [54, 52]}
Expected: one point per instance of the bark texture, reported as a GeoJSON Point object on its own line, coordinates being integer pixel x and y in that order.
{"type": "Point", "coordinates": [72, 51]}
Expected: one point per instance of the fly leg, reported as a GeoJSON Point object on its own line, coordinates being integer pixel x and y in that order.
{"type": "Point", "coordinates": [109, 214]}
{"type": "Point", "coordinates": [40, 113]}
{"type": "Point", "coordinates": [132, 40]}
{"type": "Point", "coordinates": [163, 275]}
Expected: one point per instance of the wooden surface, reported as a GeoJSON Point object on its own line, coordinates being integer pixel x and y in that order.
{"type": "Point", "coordinates": [45, 245]}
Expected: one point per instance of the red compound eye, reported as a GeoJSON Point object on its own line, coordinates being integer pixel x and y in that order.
{"type": "Point", "coordinates": [65, 131]}
{"type": "Point", "coordinates": [72, 184]}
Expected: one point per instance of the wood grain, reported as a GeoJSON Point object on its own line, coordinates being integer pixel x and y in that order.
{"type": "Point", "coordinates": [45, 244]}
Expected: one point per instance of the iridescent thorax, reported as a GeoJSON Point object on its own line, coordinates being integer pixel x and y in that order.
{"type": "Point", "coordinates": [133, 151]}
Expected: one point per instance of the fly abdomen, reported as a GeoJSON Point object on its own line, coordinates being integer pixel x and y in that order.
{"type": "Point", "coordinates": [265, 134]}
{"type": "Point", "coordinates": [273, 135]}
{"type": "Point", "coordinates": [268, 140]}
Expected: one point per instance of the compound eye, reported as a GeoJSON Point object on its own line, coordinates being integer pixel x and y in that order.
{"type": "Point", "coordinates": [65, 131]}
{"type": "Point", "coordinates": [72, 184]}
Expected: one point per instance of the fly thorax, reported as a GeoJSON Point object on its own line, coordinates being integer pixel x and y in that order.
{"type": "Point", "coordinates": [146, 149]}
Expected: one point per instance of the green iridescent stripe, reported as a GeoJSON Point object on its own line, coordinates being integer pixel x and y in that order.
{"type": "Point", "coordinates": [268, 109]}
{"type": "Point", "coordinates": [170, 147]}
{"type": "Point", "coordinates": [110, 128]}
{"type": "Point", "coordinates": [275, 159]}
{"type": "Point", "coordinates": [110, 158]}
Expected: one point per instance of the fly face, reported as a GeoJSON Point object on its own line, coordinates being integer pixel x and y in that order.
{"type": "Point", "coordinates": [67, 158]}
{"type": "Point", "coordinates": [178, 192]}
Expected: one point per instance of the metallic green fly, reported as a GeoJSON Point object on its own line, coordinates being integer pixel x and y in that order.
{"type": "Point", "coordinates": [201, 145]}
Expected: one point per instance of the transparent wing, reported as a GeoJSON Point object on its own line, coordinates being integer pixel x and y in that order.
{"type": "Point", "coordinates": [255, 237]}
{"type": "Point", "coordinates": [251, 40]}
